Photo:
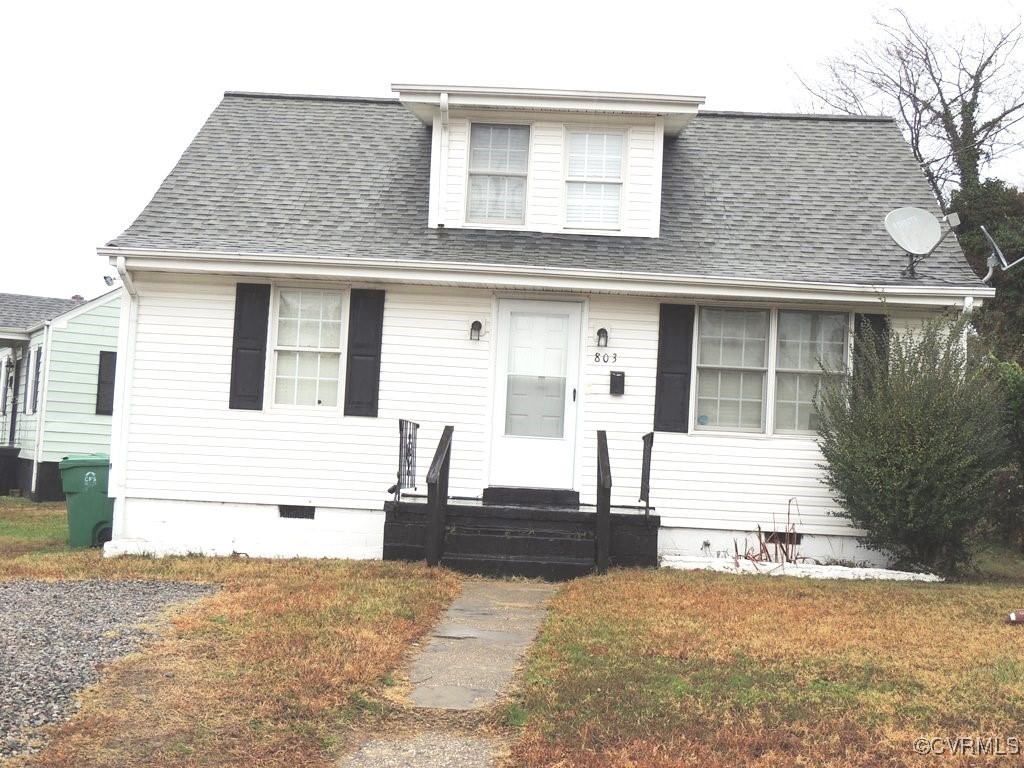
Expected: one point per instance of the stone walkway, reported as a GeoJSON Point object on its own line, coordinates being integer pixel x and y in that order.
{"type": "Point", "coordinates": [466, 665]}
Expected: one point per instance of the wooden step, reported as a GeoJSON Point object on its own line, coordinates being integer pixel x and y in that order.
{"type": "Point", "coordinates": [548, 568]}
{"type": "Point", "coordinates": [470, 542]}
{"type": "Point", "coordinates": [531, 497]}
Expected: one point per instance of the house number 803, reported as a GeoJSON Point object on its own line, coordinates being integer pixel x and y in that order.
{"type": "Point", "coordinates": [606, 358]}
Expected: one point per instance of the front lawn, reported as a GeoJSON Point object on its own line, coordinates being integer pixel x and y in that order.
{"type": "Point", "coordinates": [669, 668]}
{"type": "Point", "coordinates": [270, 671]}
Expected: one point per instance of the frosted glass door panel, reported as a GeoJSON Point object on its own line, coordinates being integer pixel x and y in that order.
{"type": "Point", "coordinates": [535, 392]}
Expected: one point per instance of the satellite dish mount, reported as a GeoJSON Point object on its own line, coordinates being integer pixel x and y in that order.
{"type": "Point", "coordinates": [918, 233]}
{"type": "Point", "coordinates": [996, 259]}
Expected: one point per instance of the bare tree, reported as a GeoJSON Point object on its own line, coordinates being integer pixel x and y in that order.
{"type": "Point", "coordinates": [956, 99]}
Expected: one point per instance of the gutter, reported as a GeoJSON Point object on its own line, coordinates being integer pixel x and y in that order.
{"type": "Point", "coordinates": [126, 278]}
{"type": "Point", "coordinates": [548, 278]}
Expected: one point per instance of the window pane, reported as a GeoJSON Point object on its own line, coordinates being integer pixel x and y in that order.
{"type": "Point", "coordinates": [535, 406]}
{"type": "Point", "coordinates": [794, 402]}
{"type": "Point", "coordinates": [330, 335]}
{"type": "Point", "coordinates": [288, 332]}
{"type": "Point", "coordinates": [592, 204]}
{"type": "Point", "coordinates": [305, 392]}
{"type": "Point", "coordinates": [809, 338]}
{"type": "Point", "coordinates": [733, 337]}
{"type": "Point", "coordinates": [496, 199]}
{"type": "Point", "coordinates": [730, 399]}
{"type": "Point", "coordinates": [289, 306]}
{"type": "Point", "coordinates": [329, 393]}
{"type": "Point", "coordinates": [499, 148]}
{"type": "Point", "coordinates": [594, 155]}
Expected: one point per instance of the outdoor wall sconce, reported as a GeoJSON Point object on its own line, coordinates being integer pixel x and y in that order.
{"type": "Point", "coordinates": [474, 330]}
{"type": "Point", "coordinates": [602, 337]}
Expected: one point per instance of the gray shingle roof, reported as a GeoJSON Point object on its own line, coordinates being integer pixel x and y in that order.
{"type": "Point", "coordinates": [783, 197]}
{"type": "Point", "coordinates": [19, 311]}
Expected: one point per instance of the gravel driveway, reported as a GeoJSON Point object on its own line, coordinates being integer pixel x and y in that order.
{"type": "Point", "coordinates": [52, 636]}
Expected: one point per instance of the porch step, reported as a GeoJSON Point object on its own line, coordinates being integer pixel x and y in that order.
{"type": "Point", "coordinates": [507, 540]}
{"type": "Point", "coordinates": [461, 541]}
{"type": "Point", "coordinates": [531, 497]}
{"type": "Point", "coordinates": [545, 567]}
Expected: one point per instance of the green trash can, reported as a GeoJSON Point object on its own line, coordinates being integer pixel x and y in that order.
{"type": "Point", "coordinates": [90, 511]}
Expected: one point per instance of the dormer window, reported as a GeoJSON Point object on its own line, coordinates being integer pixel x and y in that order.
{"type": "Point", "coordinates": [593, 194]}
{"type": "Point", "coordinates": [497, 173]}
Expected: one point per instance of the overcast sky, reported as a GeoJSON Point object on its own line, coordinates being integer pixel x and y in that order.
{"type": "Point", "coordinates": [101, 98]}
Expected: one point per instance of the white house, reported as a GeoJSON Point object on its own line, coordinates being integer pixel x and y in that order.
{"type": "Point", "coordinates": [528, 266]}
{"type": "Point", "coordinates": [57, 358]}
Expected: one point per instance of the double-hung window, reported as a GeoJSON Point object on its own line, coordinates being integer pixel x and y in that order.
{"type": "Point", "coordinates": [736, 375]}
{"type": "Point", "coordinates": [806, 340]}
{"type": "Point", "coordinates": [593, 192]}
{"type": "Point", "coordinates": [307, 350]}
{"type": "Point", "coordinates": [732, 363]}
{"type": "Point", "coordinates": [497, 173]}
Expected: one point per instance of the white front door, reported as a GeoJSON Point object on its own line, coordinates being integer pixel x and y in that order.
{"type": "Point", "coordinates": [538, 348]}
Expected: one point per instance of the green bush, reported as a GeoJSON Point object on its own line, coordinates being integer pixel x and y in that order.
{"type": "Point", "coordinates": [912, 440]}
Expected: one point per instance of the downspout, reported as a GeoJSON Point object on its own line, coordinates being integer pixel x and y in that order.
{"type": "Point", "coordinates": [442, 186]}
{"type": "Point", "coordinates": [40, 405]}
{"type": "Point", "coordinates": [126, 277]}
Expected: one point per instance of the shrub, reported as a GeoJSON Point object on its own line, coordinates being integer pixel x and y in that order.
{"type": "Point", "coordinates": [912, 440]}
{"type": "Point", "coordinates": [1007, 516]}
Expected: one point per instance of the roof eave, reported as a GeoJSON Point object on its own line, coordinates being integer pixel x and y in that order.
{"type": "Point", "coordinates": [555, 278]}
{"type": "Point", "coordinates": [424, 101]}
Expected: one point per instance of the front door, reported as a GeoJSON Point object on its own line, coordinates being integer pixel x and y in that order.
{"type": "Point", "coordinates": [538, 347]}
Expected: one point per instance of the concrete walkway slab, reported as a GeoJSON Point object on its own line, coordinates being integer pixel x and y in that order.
{"type": "Point", "coordinates": [471, 655]}
{"type": "Point", "coordinates": [428, 750]}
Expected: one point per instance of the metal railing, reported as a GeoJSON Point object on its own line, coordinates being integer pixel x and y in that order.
{"type": "Point", "coordinates": [406, 457]}
{"type": "Point", "coordinates": [645, 477]}
{"type": "Point", "coordinates": [603, 521]}
{"type": "Point", "coordinates": [437, 497]}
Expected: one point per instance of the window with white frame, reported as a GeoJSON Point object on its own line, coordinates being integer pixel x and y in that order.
{"type": "Point", "coordinates": [307, 349]}
{"type": "Point", "coordinates": [732, 364]}
{"type": "Point", "coordinates": [806, 340]}
{"type": "Point", "coordinates": [498, 157]}
{"type": "Point", "coordinates": [593, 192]}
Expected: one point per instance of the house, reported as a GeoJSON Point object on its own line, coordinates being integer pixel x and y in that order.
{"type": "Point", "coordinates": [531, 267]}
{"type": "Point", "coordinates": [57, 357]}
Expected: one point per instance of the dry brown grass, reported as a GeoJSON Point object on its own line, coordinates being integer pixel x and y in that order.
{"type": "Point", "coordinates": [671, 669]}
{"type": "Point", "coordinates": [273, 670]}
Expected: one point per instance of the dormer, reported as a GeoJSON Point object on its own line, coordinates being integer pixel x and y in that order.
{"type": "Point", "coordinates": [581, 162]}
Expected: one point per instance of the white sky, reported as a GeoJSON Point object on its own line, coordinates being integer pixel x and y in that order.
{"type": "Point", "coordinates": [101, 98]}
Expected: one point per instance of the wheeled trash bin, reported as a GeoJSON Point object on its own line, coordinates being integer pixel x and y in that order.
{"type": "Point", "coordinates": [90, 511]}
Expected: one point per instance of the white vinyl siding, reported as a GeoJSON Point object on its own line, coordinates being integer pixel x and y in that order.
{"type": "Point", "coordinates": [594, 178]}
{"type": "Point", "coordinates": [184, 441]}
{"type": "Point", "coordinates": [498, 162]}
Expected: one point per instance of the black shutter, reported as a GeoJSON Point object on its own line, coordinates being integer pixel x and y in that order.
{"type": "Point", "coordinates": [879, 325]}
{"type": "Point", "coordinates": [249, 350]}
{"type": "Point", "coordinates": [35, 380]}
{"type": "Point", "coordinates": [365, 332]}
{"type": "Point", "coordinates": [105, 384]}
{"type": "Point", "coordinates": [675, 354]}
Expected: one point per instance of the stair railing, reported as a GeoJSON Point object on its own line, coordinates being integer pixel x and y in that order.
{"type": "Point", "coordinates": [406, 457]}
{"type": "Point", "coordinates": [645, 477]}
{"type": "Point", "coordinates": [603, 522]}
{"type": "Point", "coordinates": [437, 497]}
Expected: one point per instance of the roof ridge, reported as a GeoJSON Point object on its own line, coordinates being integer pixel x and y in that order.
{"type": "Point", "coordinates": [795, 116]}
{"type": "Point", "coordinates": [309, 97]}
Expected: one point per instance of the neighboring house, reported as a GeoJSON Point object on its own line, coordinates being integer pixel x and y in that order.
{"type": "Point", "coordinates": [58, 359]}
{"type": "Point", "coordinates": [527, 266]}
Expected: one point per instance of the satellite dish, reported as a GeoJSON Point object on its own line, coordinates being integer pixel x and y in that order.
{"type": "Point", "coordinates": [914, 230]}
